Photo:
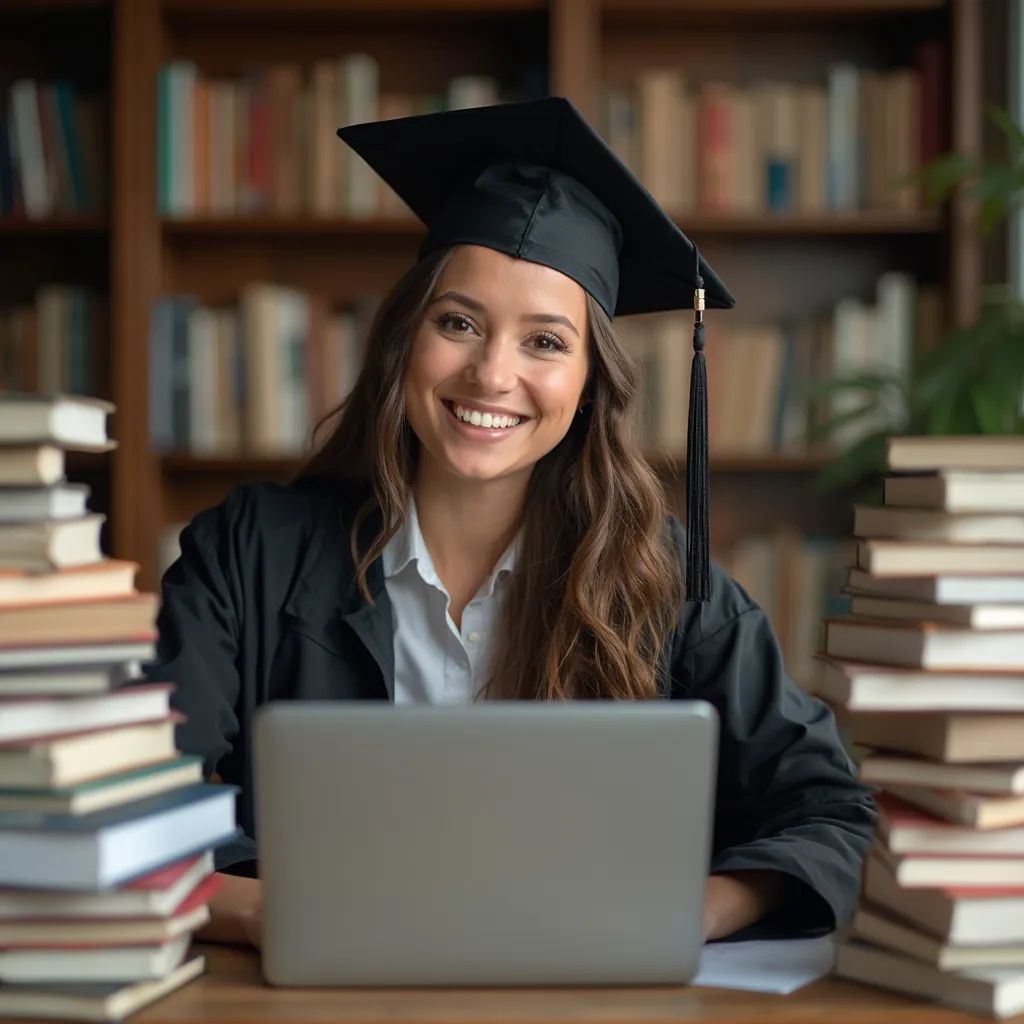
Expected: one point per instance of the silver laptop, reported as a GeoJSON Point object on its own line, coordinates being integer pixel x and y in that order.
{"type": "Point", "coordinates": [488, 844]}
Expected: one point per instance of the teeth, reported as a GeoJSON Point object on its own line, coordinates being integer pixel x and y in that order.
{"type": "Point", "coordinates": [484, 419]}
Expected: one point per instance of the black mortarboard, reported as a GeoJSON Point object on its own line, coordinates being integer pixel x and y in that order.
{"type": "Point", "coordinates": [535, 181]}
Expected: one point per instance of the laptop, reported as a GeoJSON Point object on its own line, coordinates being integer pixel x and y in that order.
{"type": "Point", "coordinates": [486, 844]}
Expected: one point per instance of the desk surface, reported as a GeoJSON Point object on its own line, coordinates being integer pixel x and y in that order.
{"type": "Point", "coordinates": [232, 990]}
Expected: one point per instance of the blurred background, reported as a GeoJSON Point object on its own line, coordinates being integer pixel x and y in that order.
{"type": "Point", "coordinates": [183, 234]}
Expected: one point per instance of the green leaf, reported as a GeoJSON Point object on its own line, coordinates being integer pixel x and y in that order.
{"type": "Point", "coordinates": [940, 177]}
{"type": "Point", "coordinates": [864, 459]}
{"type": "Point", "coordinates": [1010, 129]}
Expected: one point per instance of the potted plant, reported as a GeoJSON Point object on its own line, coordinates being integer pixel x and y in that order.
{"type": "Point", "coordinates": [972, 381]}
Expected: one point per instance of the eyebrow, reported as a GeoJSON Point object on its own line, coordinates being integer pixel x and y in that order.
{"type": "Point", "coordinates": [479, 307]}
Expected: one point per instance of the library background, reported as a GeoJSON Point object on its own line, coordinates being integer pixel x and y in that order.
{"type": "Point", "coordinates": [184, 235]}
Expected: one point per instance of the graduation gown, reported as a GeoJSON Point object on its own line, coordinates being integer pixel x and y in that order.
{"type": "Point", "coordinates": [263, 605]}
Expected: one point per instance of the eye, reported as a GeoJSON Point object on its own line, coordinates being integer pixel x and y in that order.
{"type": "Point", "coordinates": [452, 320]}
{"type": "Point", "coordinates": [551, 342]}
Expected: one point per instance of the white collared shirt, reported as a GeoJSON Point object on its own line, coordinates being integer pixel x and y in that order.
{"type": "Point", "coordinates": [435, 661]}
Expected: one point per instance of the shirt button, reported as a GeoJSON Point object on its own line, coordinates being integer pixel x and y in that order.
{"type": "Point", "coordinates": [473, 636]}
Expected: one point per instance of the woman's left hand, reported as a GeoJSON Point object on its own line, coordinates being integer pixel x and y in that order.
{"type": "Point", "coordinates": [733, 901]}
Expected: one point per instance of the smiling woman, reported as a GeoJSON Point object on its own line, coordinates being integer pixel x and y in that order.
{"type": "Point", "coordinates": [475, 521]}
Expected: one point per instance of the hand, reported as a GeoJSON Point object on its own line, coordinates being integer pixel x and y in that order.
{"type": "Point", "coordinates": [732, 901]}
{"type": "Point", "coordinates": [235, 913]}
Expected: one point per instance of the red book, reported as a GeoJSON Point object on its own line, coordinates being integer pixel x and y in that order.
{"type": "Point", "coordinates": [104, 932]}
{"type": "Point", "coordinates": [260, 156]}
{"type": "Point", "coordinates": [906, 830]}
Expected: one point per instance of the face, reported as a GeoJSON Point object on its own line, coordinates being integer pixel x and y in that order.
{"type": "Point", "coordinates": [503, 340]}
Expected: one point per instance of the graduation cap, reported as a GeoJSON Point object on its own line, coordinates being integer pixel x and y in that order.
{"type": "Point", "coordinates": [533, 180]}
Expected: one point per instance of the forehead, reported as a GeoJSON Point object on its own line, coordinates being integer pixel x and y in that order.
{"type": "Point", "coordinates": [501, 282]}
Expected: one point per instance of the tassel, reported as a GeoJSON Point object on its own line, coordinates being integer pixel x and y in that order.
{"type": "Point", "coordinates": [698, 527]}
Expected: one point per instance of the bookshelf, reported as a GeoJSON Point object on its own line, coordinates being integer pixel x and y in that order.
{"type": "Point", "coordinates": [772, 261]}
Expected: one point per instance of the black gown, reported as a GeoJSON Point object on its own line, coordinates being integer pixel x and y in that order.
{"type": "Point", "coordinates": [263, 605]}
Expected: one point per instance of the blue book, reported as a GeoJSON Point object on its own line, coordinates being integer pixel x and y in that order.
{"type": "Point", "coordinates": [106, 849]}
{"type": "Point", "coordinates": [6, 169]}
{"type": "Point", "coordinates": [65, 97]}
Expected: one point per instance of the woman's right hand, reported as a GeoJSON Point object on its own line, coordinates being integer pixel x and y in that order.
{"type": "Point", "coordinates": [235, 912]}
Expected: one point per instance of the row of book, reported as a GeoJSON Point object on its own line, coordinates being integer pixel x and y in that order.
{"type": "Point", "coordinates": [53, 149]}
{"type": "Point", "coordinates": [106, 829]}
{"type": "Point", "coordinates": [256, 378]}
{"type": "Point", "coordinates": [54, 345]}
{"type": "Point", "coordinates": [266, 142]}
{"type": "Point", "coordinates": [850, 143]}
{"type": "Point", "coordinates": [927, 674]}
{"type": "Point", "coordinates": [761, 377]}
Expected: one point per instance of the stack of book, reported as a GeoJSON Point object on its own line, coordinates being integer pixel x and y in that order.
{"type": "Point", "coordinates": [928, 671]}
{"type": "Point", "coordinates": [105, 828]}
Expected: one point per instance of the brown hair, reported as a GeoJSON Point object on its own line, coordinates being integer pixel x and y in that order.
{"type": "Point", "coordinates": [597, 586]}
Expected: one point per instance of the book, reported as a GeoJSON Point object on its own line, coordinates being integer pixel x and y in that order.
{"type": "Point", "coordinates": [923, 644]}
{"type": "Point", "coordinates": [158, 893]}
{"type": "Point", "coordinates": [872, 925]}
{"type": "Point", "coordinates": [940, 589]}
{"type": "Point", "coordinates": [908, 454]}
{"type": "Point", "coordinates": [920, 871]}
{"type": "Point", "coordinates": [942, 736]}
{"type": "Point", "coordinates": [71, 421]}
{"type": "Point", "coordinates": [904, 829]}
{"type": "Point", "coordinates": [883, 770]}
{"type": "Point", "coordinates": [60, 501]}
{"type": "Point", "coordinates": [75, 757]}
{"type": "Point", "coordinates": [114, 963]}
{"type": "Point", "coordinates": [192, 913]}
{"type": "Point", "coordinates": [997, 991]}
{"type": "Point", "coordinates": [51, 544]}
{"type": "Point", "coordinates": [44, 716]}
{"type": "Point", "coordinates": [862, 686]}
{"type": "Point", "coordinates": [958, 491]}
{"type": "Point", "coordinates": [96, 580]}
{"type": "Point", "coordinates": [31, 465]}
{"type": "Point", "coordinates": [912, 558]}
{"type": "Point", "coordinates": [937, 525]}
{"type": "Point", "coordinates": [108, 791]}
{"type": "Point", "coordinates": [968, 616]}
{"type": "Point", "coordinates": [108, 848]}
{"type": "Point", "coordinates": [975, 810]}
{"type": "Point", "coordinates": [92, 1001]}
{"type": "Point", "coordinates": [960, 916]}
{"type": "Point", "coordinates": [67, 680]}
{"type": "Point", "coordinates": [81, 621]}
{"type": "Point", "coordinates": [124, 649]}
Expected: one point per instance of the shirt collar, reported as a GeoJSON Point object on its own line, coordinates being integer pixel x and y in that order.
{"type": "Point", "coordinates": [408, 545]}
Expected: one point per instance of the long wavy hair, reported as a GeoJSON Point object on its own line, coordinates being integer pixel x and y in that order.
{"type": "Point", "coordinates": [597, 586]}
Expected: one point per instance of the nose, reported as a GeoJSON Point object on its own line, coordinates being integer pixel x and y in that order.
{"type": "Point", "coordinates": [493, 365]}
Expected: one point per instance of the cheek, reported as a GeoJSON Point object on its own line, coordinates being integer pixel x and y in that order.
{"type": "Point", "coordinates": [431, 361]}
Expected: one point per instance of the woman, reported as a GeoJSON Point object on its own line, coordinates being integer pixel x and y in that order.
{"type": "Point", "coordinates": [478, 524]}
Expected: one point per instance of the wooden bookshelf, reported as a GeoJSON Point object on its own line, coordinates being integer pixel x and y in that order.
{"type": "Point", "coordinates": [136, 255]}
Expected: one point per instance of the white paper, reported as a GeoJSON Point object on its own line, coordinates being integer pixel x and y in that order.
{"type": "Point", "coordinates": [780, 966]}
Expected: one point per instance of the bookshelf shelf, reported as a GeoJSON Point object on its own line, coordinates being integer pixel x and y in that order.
{"type": "Point", "coordinates": [62, 225]}
{"type": "Point", "coordinates": [270, 226]}
{"type": "Point", "coordinates": [279, 465]}
{"type": "Point", "coordinates": [343, 11]}
{"type": "Point", "coordinates": [871, 223]}
{"type": "Point", "coordinates": [770, 12]}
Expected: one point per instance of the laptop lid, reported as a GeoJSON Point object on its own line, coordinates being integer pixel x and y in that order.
{"type": "Point", "coordinates": [486, 844]}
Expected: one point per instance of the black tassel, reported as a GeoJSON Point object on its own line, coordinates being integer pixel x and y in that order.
{"type": "Point", "coordinates": [698, 527]}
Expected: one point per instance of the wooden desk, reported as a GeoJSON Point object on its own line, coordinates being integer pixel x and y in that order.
{"type": "Point", "coordinates": [232, 992]}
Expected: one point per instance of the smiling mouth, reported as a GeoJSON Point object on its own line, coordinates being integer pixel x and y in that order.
{"type": "Point", "coordinates": [492, 428]}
